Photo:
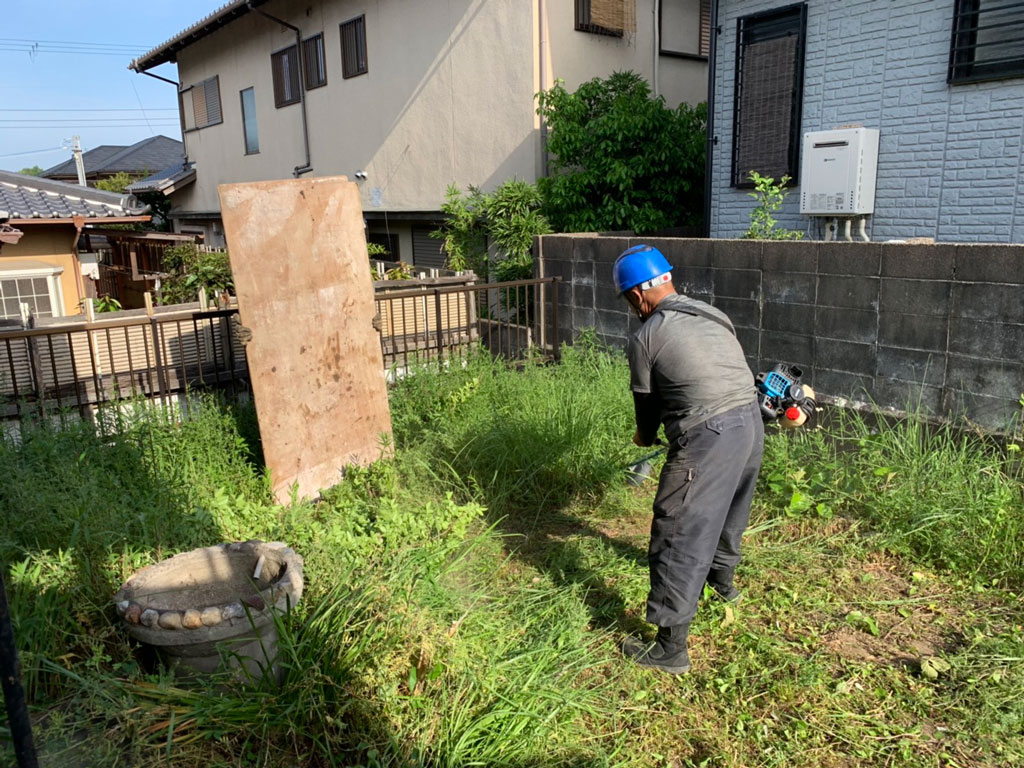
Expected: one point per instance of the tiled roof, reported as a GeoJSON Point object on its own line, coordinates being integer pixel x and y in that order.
{"type": "Point", "coordinates": [144, 156]}
{"type": "Point", "coordinates": [168, 50]}
{"type": "Point", "coordinates": [177, 175]}
{"type": "Point", "coordinates": [30, 197]}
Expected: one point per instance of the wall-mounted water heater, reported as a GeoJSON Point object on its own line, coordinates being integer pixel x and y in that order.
{"type": "Point", "coordinates": [837, 173]}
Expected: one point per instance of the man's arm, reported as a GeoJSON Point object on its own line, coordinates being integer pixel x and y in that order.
{"type": "Point", "coordinates": [648, 418]}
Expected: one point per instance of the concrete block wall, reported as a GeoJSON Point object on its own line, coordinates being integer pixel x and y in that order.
{"type": "Point", "coordinates": [935, 326]}
{"type": "Point", "coordinates": [950, 164]}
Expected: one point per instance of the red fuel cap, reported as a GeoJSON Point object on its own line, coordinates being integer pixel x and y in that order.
{"type": "Point", "coordinates": [792, 413]}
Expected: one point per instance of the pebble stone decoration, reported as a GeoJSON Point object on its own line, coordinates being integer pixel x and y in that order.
{"type": "Point", "coordinates": [290, 585]}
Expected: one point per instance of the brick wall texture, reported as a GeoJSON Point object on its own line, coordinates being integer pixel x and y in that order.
{"type": "Point", "coordinates": [940, 327]}
{"type": "Point", "coordinates": [950, 163]}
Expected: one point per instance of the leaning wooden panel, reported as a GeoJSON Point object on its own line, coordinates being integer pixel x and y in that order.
{"type": "Point", "coordinates": [302, 275]}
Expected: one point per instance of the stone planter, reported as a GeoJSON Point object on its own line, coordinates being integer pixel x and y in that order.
{"type": "Point", "coordinates": [196, 606]}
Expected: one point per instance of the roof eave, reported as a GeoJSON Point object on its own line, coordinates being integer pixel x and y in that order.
{"type": "Point", "coordinates": [168, 51]}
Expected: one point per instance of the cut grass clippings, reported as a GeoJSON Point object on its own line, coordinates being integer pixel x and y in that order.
{"type": "Point", "coordinates": [465, 600]}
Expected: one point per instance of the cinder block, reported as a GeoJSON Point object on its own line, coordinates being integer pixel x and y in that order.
{"type": "Point", "coordinates": [989, 302]}
{"type": "Point", "coordinates": [907, 396]}
{"type": "Point", "coordinates": [845, 356]}
{"type": "Point", "coordinates": [583, 317]}
{"type": "Point", "coordinates": [737, 283]}
{"type": "Point", "coordinates": [922, 297]}
{"type": "Point", "coordinates": [615, 342]}
{"type": "Point", "coordinates": [995, 413]}
{"type": "Point", "coordinates": [843, 291]}
{"type": "Point", "coordinates": [787, 318]}
{"type": "Point", "coordinates": [605, 294]}
{"type": "Point", "coordinates": [582, 294]}
{"type": "Point", "coordinates": [846, 324]}
{"type": "Point", "coordinates": [789, 288]}
{"type": "Point", "coordinates": [911, 365]}
{"type": "Point", "coordinates": [849, 258]}
{"type": "Point", "coordinates": [923, 332]}
{"type": "Point", "coordinates": [737, 254]}
{"type": "Point", "coordinates": [790, 256]}
{"type": "Point", "coordinates": [787, 348]}
{"type": "Point", "coordinates": [557, 268]}
{"type": "Point", "coordinates": [990, 263]}
{"type": "Point", "coordinates": [691, 280]}
{"type": "Point", "coordinates": [924, 262]}
{"type": "Point", "coordinates": [680, 251]}
{"type": "Point", "coordinates": [994, 378]}
{"type": "Point", "coordinates": [842, 384]}
{"type": "Point", "coordinates": [744, 312]}
{"type": "Point", "coordinates": [555, 247]}
{"type": "Point", "coordinates": [612, 323]}
{"type": "Point", "coordinates": [601, 250]}
{"type": "Point", "coordinates": [749, 339]}
{"type": "Point", "coordinates": [999, 341]}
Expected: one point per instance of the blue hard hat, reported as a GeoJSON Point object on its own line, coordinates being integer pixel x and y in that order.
{"type": "Point", "coordinates": [638, 265]}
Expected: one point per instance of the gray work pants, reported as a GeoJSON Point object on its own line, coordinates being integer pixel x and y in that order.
{"type": "Point", "coordinates": [701, 510]}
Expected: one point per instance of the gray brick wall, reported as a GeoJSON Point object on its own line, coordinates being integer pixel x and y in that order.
{"type": "Point", "coordinates": [939, 326]}
{"type": "Point", "coordinates": [950, 162]}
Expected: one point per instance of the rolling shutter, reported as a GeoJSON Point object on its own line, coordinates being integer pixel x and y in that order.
{"type": "Point", "coordinates": [426, 250]}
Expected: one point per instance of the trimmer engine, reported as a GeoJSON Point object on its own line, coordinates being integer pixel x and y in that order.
{"type": "Point", "coordinates": [783, 396]}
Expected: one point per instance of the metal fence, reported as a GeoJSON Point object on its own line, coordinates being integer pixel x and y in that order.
{"type": "Point", "coordinates": [514, 320]}
{"type": "Point", "coordinates": [78, 365]}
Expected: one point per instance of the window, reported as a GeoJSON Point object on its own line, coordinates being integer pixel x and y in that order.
{"type": "Point", "coordinates": [252, 138]}
{"type": "Point", "coordinates": [200, 104]}
{"type": "Point", "coordinates": [314, 67]}
{"type": "Point", "coordinates": [768, 94]}
{"type": "Point", "coordinates": [386, 241]}
{"type": "Point", "coordinates": [988, 40]}
{"type": "Point", "coordinates": [684, 28]}
{"type": "Point", "coordinates": [606, 17]}
{"type": "Point", "coordinates": [353, 47]}
{"type": "Point", "coordinates": [39, 288]}
{"type": "Point", "coordinates": [284, 66]}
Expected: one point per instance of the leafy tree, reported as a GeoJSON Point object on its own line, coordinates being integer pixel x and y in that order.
{"type": "Point", "coordinates": [621, 160]}
{"type": "Point", "coordinates": [118, 182]}
{"type": "Point", "coordinates": [509, 218]}
{"type": "Point", "coordinates": [35, 170]}
{"type": "Point", "coordinates": [191, 269]}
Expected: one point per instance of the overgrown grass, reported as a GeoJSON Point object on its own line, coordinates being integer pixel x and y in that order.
{"type": "Point", "coordinates": [465, 600]}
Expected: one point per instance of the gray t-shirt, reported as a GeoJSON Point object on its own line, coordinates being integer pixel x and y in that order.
{"type": "Point", "coordinates": [694, 365]}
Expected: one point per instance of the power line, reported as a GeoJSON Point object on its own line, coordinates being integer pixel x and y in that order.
{"type": "Point", "coordinates": [33, 152]}
{"type": "Point", "coordinates": [85, 119]}
{"type": "Point", "coordinates": [88, 43]}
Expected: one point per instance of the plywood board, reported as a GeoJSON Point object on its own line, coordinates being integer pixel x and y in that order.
{"type": "Point", "coordinates": [298, 255]}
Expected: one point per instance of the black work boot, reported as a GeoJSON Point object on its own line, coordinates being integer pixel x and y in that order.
{"type": "Point", "coordinates": [667, 653]}
{"type": "Point", "coordinates": [720, 580]}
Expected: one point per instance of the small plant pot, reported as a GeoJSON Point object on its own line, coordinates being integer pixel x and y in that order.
{"type": "Point", "coordinates": [216, 604]}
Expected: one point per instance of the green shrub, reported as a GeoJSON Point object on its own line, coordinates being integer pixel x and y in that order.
{"type": "Point", "coordinates": [621, 160]}
{"type": "Point", "coordinates": [191, 269]}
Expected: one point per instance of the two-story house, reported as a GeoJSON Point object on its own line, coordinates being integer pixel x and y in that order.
{"type": "Point", "coordinates": [403, 97]}
{"type": "Point", "coordinates": [941, 80]}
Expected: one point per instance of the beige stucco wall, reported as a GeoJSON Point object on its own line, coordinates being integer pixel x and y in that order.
{"type": "Point", "coordinates": [448, 98]}
{"type": "Point", "coordinates": [50, 245]}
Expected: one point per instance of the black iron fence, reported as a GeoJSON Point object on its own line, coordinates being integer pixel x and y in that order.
{"type": "Point", "coordinates": [77, 365]}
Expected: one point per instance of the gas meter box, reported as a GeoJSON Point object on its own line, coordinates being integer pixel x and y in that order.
{"type": "Point", "coordinates": [837, 174]}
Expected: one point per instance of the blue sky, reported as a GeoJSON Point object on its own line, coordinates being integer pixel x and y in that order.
{"type": "Point", "coordinates": [64, 71]}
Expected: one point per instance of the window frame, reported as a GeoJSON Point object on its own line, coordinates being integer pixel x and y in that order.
{"type": "Point", "coordinates": [321, 55]}
{"type": "Point", "coordinates": [799, 10]}
{"type": "Point", "coordinates": [279, 95]}
{"type": "Point", "coordinates": [191, 90]}
{"type": "Point", "coordinates": [703, 37]}
{"type": "Point", "coordinates": [51, 275]}
{"type": "Point", "coordinates": [245, 136]}
{"type": "Point", "coordinates": [963, 46]}
{"type": "Point", "coordinates": [359, 22]}
{"type": "Point", "coordinates": [583, 23]}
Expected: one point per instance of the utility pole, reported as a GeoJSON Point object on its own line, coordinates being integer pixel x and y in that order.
{"type": "Point", "coordinates": [76, 151]}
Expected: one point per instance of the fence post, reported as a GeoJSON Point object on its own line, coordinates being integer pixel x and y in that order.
{"type": "Point", "coordinates": [28, 321]}
{"type": "Point", "coordinates": [440, 330]}
{"type": "Point", "coordinates": [157, 353]}
{"type": "Point", "coordinates": [556, 339]}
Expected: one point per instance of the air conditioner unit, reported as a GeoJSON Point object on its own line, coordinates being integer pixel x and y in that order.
{"type": "Point", "coordinates": [837, 174]}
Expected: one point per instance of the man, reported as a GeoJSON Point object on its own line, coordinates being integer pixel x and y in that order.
{"type": "Point", "coordinates": [687, 372]}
